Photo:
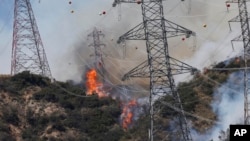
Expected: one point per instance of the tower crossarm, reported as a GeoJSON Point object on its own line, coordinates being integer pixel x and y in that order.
{"type": "Point", "coordinates": [235, 1]}
{"type": "Point", "coordinates": [156, 31]}
{"type": "Point", "coordinates": [245, 37]}
{"type": "Point", "coordinates": [141, 70]}
{"type": "Point", "coordinates": [238, 38]}
{"type": "Point", "coordinates": [122, 1]}
{"type": "Point", "coordinates": [171, 29]}
{"type": "Point", "coordinates": [131, 1]}
{"type": "Point", "coordinates": [237, 18]}
{"type": "Point", "coordinates": [245, 31]}
{"type": "Point", "coordinates": [95, 32]}
{"type": "Point", "coordinates": [177, 67]}
{"type": "Point", "coordinates": [137, 33]}
{"type": "Point", "coordinates": [174, 30]}
{"type": "Point", "coordinates": [100, 44]}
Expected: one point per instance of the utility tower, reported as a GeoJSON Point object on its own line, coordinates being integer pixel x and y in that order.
{"type": "Point", "coordinates": [99, 63]}
{"type": "Point", "coordinates": [159, 66]}
{"type": "Point", "coordinates": [243, 18]}
{"type": "Point", "coordinates": [28, 53]}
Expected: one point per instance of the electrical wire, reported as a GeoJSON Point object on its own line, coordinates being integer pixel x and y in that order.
{"type": "Point", "coordinates": [167, 104]}
{"type": "Point", "coordinates": [200, 15]}
{"type": "Point", "coordinates": [3, 27]}
{"type": "Point", "coordinates": [171, 10]}
{"type": "Point", "coordinates": [179, 110]}
{"type": "Point", "coordinates": [146, 91]}
{"type": "Point", "coordinates": [211, 4]}
{"type": "Point", "coordinates": [218, 83]}
{"type": "Point", "coordinates": [114, 85]}
{"type": "Point", "coordinates": [6, 17]}
{"type": "Point", "coordinates": [5, 47]}
{"type": "Point", "coordinates": [188, 113]}
{"type": "Point", "coordinates": [103, 18]}
{"type": "Point", "coordinates": [221, 69]}
{"type": "Point", "coordinates": [70, 93]}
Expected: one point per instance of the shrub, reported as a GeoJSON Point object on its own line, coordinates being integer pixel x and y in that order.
{"type": "Point", "coordinates": [10, 115]}
{"type": "Point", "coordinates": [47, 94]}
{"type": "Point", "coordinates": [58, 126]}
{"type": "Point", "coordinates": [4, 127]}
{"type": "Point", "coordinates": [67, 104]}
{"type": "Point", "coordinates": [27, 134]}
{"type": "Point", "coordinates": [25, 79]}
{"type": "Point", "coordinates": [6, 137]}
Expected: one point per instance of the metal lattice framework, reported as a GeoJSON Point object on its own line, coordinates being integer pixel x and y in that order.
{"type": "Point", "coordinates": [99, 63]}
{"type": "Point", "coordinates": [159, 67]}
{"type": "Point", "coordinates": [28, 53]}
{"type": "Point", "coordinates": [243, 18]}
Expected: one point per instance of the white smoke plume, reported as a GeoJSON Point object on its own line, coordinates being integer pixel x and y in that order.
{"type": "Point", "coordinates": [228, 104]}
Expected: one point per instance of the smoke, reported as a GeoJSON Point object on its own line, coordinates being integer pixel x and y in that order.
{"type": "Point", "coordinates": [213, 42]}
{"type": "Point", "coordinates": [69, 29]}
{"type": "Point", "coordinates": [228, 105]}
{"type": "Point", "coordinates": [213, 45]}
{"type": "Point", "coordinates": [132, 107]}
{"type": "Point", "coordinates": [132, 102]}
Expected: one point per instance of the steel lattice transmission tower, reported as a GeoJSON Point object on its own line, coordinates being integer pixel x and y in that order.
{"type": "Point", "coordinates": [97, 44]}
{"type": "Point", "coordinates": [159, 66]}
{"type": "Point", "coordinates": [243, 18]}
{"type": "Point", "coordinates": [28, 53]}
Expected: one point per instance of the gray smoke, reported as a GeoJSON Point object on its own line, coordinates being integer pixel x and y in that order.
{"type": "Point", "coordinates": [228, 105]}
{"type": "Point", "coordinates": [213, 43]}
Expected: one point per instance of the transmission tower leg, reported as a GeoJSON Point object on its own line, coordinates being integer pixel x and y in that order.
{"type": "Point", "coordinates": [99, 63]}
{"type": "Point", "coordinates": [243, 18]}
{"type": "Point", "coordinates": [28, 53]}
{"type": "Point", "coordinates": [155, 30]}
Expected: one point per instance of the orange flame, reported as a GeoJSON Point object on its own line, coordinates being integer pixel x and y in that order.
{"type": "Point", "coordinates": [92, 84]}
{"type": "Point", "coordinates": [127, 114]}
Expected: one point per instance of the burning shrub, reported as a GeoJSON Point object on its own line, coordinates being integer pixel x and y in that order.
{"type": "Point", "coordinates": [93, 85]}
{"type": "Point", "coordinates": [127, 113]}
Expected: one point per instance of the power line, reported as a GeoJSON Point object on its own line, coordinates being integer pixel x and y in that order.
{"type": "Point", "coordinates": [245, 34]}
{"type": "Point", "coordinates": [227, 69]}
{"type": "Point", "coordinates": [159, 65]}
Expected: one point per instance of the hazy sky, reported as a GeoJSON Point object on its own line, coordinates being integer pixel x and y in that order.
{"type": "Point", "coordinates": [61, 31]}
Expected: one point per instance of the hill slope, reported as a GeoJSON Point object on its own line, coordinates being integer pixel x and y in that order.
{"type": "Point", "coordinates": [33, 108]}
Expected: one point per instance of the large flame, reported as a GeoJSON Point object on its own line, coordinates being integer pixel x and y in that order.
{"type": "Point", "coordinates": [127, 114]}
{"type": "Point", "coordinates": [95, 87]}
{"type": "Point", "coordinates": [92, 84]}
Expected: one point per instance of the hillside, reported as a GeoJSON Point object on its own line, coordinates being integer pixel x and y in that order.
{"type": "Point", "coordinates": [34, 108]}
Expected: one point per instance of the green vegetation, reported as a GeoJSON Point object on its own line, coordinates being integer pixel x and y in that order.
{"type": "Point", "coordinates": [73, 118]}
{"type": "Point", "coordinates": [196, 97]}
{"type": "Point", "coordinates": [34, 108]}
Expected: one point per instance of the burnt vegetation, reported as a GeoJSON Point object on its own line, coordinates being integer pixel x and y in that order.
{"type": "Point", "coordinates": [34, 108]}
